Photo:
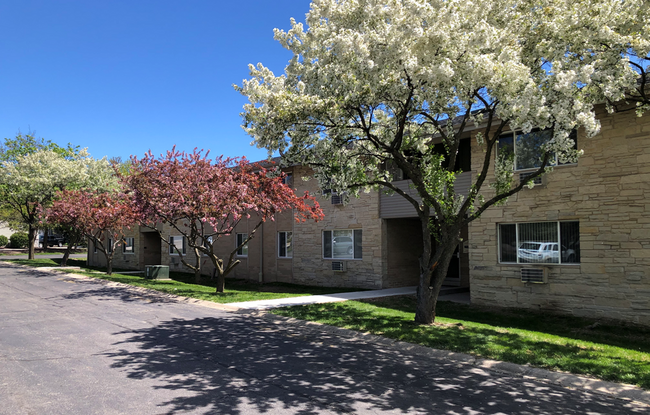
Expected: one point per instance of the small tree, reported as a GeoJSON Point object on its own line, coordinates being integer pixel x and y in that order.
{"type": "Point", "coordinates": [374, 84]}
{"type": "Point", "coordinates": [101, 216]}
{"type": "Point", "coordinates": [204, 201]}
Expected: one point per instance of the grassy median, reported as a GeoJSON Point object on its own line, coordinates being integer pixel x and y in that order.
{"type": "Point", "coordinates": [611, 351]}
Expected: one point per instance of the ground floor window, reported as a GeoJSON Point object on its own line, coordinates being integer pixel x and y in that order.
{"type": "Point", "coordinates": [243, 250]}
{"type": "Point", "coordinates": [176, 245]}
{"type": "Point", "coordinates": [342, 244]}
{"type": "Point", "coordinates": [285, 244]}
{"type": "Point", "coordinates": [109, 245]}
{"type": "Point", "coordinates": [128, 247]}
{"type": "Point", "coordinates": [540, 242]}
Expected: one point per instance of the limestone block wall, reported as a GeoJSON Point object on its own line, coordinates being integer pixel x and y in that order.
{"type": "Point", "coordinates": [607, 191]}
{"type": "Point", "coordinates": [309, 266]}
{"type": "Point", "coordinates": [120, 260]}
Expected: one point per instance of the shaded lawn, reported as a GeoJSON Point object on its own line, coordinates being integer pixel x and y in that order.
{"type": "Point", "coordinates": [607, 351]}
{"type": "Point", "coordinates": [47, 262]}
{"type": "Point", "coordinates": [183, 284]}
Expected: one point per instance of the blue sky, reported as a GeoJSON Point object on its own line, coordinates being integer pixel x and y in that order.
{"type": "Point", "coordinates": [123, 77]}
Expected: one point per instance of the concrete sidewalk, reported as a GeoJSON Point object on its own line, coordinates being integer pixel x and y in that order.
{"type": "Point", "coordinates": [333, 298]}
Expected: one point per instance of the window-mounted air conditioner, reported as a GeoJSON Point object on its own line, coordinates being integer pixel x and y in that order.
{"type": "Point", "coordinates": [338, 266]}
{"type": "Point", "coordinates": [537, 181]}
{"type": "Point", "coordinates": [534, 275]}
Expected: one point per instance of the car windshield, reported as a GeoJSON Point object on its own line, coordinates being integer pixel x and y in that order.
{"type": "Point", "coordinates": [533, 246]}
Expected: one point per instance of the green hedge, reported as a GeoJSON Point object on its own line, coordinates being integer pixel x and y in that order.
{"type": "Point", "coordinates": [3, 241]}
{"type": "Point", "coordinates": [18, 240]}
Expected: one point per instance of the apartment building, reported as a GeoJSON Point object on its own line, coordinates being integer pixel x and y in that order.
{"type": "Point", "coordinates": [577, 243]}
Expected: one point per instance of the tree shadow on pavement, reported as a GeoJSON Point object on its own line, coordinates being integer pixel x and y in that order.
{"type": "Point", "coordinates": [236, 364]}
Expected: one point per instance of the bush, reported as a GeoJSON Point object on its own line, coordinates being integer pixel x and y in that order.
{"type": "Point", "coordinates": [3, 241]}
{"type": "Point", "coordinates": [18, 240]}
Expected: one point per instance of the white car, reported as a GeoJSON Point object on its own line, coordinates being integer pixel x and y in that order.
{"type": "Point", "coordinates": [539, 252]}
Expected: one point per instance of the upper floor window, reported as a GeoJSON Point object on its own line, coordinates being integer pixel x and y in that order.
{"type": "Point", "coordinates": [540, 242]}
{"type": "Point", "coordinates": [342, 244]}
{"type": "Point", "coordinates": [285, 244]}
{"type": "Point", "coordinates": [527, 148]}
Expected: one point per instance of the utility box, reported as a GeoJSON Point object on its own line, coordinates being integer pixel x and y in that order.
{"type": "Point", "coordinates": [156, 272]}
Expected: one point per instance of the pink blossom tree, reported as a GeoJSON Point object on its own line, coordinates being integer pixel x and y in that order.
{"type": "Point", "coordinates": [101, 216]}
{"type": "Point", "coordinates": [204, 199]}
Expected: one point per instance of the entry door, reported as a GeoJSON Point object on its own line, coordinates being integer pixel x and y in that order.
{"type": "Point", "coordinates": [453, 272]}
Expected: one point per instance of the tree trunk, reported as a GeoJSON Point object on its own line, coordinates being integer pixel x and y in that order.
{"type": "Point", "coordinates": [433, 276]}
{"type": "Point", "coordinates": [197, 266]}
{"type": "Point", "coordinates": [74, 240]}
{"type": "Point", "coordinates": [32, 240]}
{"type": "Point", "coordinates": [221, 282]}
{"type": "Point", "coordinates": [425, 312]}
{"type": "Point", "coordinates": [109, 266]}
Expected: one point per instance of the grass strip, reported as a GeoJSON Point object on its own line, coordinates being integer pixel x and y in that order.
{"type": "Point", "coordinates": [183, 284]}
{"type": "Point", "coordinates": [607, 351]}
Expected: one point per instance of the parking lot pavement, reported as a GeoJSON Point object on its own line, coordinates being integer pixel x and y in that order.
{"type": "Point", "coordinates": [70, 345]}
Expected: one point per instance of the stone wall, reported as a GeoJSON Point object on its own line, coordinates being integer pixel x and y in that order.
{"type": "Point", "coordinates": [309, 266]}
{"type": "Point", "coordinates": [607, 192]}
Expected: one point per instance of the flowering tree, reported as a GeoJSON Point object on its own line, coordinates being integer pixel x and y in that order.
{"type": "Point", "coordinates": [101, 216]}
{"type": "Point", "coordinates": [373, 85]}
{"type": "Point", "coordinates": [204, 200]}
{"type": "Point", "coordinates": [30, 181]}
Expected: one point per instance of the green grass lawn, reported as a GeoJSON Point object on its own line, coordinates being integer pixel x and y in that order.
{"type": "Point", "coordinates": [611, 352]}
{"type": "Point", "coordinates": [183, 284]}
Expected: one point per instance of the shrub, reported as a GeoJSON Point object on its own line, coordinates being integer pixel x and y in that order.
{"type": "Point", "coordinates": [18, 240]}
{"type": "Point", "coordinates": [3, 241]}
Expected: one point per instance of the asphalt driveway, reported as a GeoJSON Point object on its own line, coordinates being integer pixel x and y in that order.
{"type": "Point", "coordinates": [80, 346]}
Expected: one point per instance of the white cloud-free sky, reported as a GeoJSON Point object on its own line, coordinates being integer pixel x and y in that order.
{"type": "Point", "coordinates": [121, 77]}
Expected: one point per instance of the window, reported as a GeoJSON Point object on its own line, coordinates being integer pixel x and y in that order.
{"type": "Point", "coordinates": [288, 179]}
{"type": "Point", "coordinates": [243, 251]}
{"type": "Point", "coordinates": [285, 246]}
{"type": "Point", "coordinates": [109, 245]}
{"type": "Point", "coordinates": [541, 242]}
{"type": "Point", "coordinates": [342, 244]}
{"type": "Point", "coordinates": [176, 245]}
{"type": "Point", "coordinates": [206, 244]}
{"type": "Point", "coordinates": [128, 246]}
{"type": "Point", "coordinates": [527, 148]}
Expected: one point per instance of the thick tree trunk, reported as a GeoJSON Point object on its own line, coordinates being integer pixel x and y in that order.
{"type": "Point", "coordinates": [109, 266]}
{"type": "Point", "coordinates": [32, 240]}
{"type": "Point", "coordinates": [221, 283]}
{"type": "Point", "coordinates": [434, 266]}
{"type": "Point", "coordinates": [426, 305]}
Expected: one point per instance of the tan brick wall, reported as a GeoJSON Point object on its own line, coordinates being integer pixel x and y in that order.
{"type": "Point", "coordinates": [607, 192]}
{"type": "Point", "coordinates": [309, 266]}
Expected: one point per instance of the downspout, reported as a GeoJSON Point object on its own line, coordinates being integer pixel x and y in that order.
{"type": "Point", "coordinates": [261, 273]}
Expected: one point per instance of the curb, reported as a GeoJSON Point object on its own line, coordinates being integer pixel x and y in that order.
{"type": "Point", "coordinates": [564, 379]}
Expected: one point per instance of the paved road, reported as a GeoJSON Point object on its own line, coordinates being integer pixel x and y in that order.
{"type": "Point", "coordinates": [76, 346]}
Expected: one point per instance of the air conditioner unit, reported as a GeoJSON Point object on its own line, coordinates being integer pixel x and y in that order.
{"type": "Point", "coordinates": [337, 199]}
{"type": "Point", "coordinates": [534, 275]}
{"type": "Point", "coordinates": [338, 266]}
{"type": "Point", "coordinates": [537, 181]}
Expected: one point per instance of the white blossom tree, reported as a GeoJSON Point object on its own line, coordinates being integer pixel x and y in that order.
{"type": "Point", "coordinates": [29, 182]}
{"type": "Point", "coordinates": [375, 83]}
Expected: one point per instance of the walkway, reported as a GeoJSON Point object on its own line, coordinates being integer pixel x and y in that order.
{"type": "Point", "coordinates": [445, 295]}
